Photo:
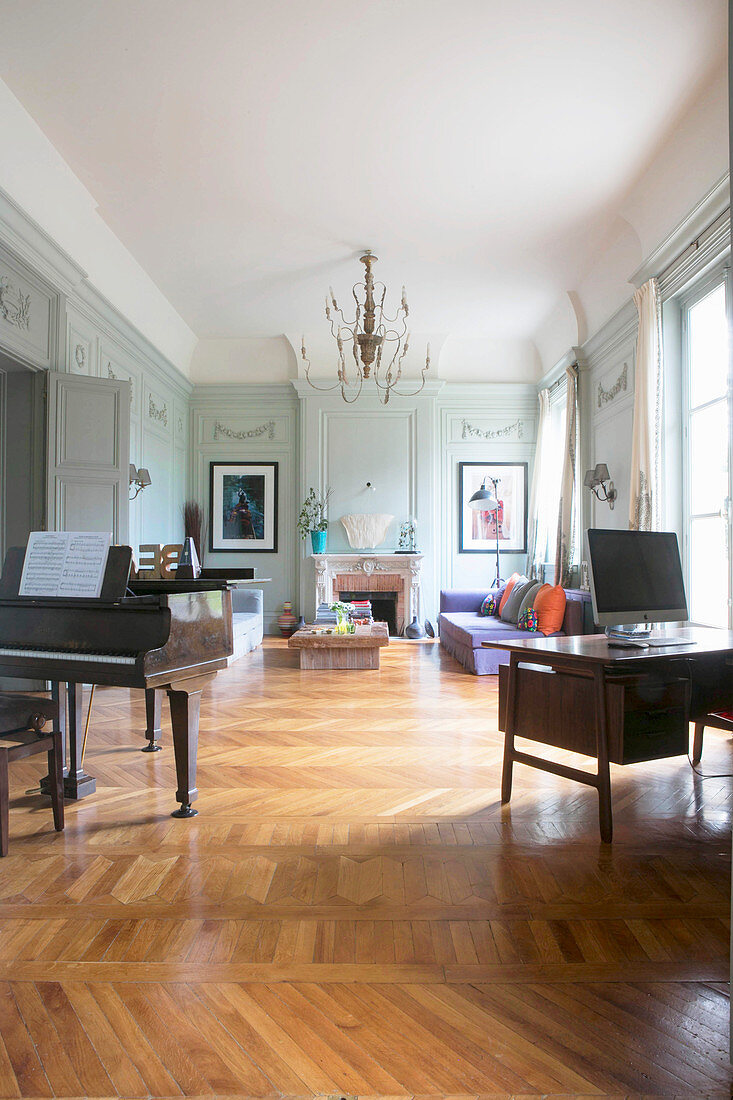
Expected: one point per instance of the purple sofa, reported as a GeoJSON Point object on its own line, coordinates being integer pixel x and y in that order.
{"type": "Point", "coordinates": [462, 629]}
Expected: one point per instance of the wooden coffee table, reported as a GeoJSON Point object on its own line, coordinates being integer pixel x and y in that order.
{"type": "Point", "coordinates": [340, 650]}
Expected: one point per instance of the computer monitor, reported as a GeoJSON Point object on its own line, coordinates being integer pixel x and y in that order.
{"type": "Point", "coordinates": [635, 577]}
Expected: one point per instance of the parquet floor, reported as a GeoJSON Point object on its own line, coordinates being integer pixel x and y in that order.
{"type": "Point", "coordinates": [353, 913]}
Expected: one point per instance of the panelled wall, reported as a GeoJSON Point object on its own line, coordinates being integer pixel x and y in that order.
{"type": "Point", "coordinates": [408, 451]}
{"type": "Point", "coordinates": [250, 424]}
{"type": "Point", "coordinates": [51, 318]}
{"type": "Point", "coordinates": [494, 422]}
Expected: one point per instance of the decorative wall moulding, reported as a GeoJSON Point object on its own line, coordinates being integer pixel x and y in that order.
{"type": "Point", "coordinates": [116, 373]}
{"type": "Point", "coordinates": [28, 314]}
{"type": "Point", "coordinates": [15, 306]}
{"type": "Point", "coordinates": [225, 431]}
{"type": "Point", "coordinates": [509, 431]}
{"type": "Point", "coordinates": [607, 395]}
{"type": "Point", "coordinates": [157, 411]}
{"type": "Point", "coordinates": [238, 429]}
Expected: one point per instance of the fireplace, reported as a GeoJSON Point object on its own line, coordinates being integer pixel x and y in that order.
{"type": "Point", "coordinates": [390, 577]}
{"type": "Point", "coordinates": [384, 606]}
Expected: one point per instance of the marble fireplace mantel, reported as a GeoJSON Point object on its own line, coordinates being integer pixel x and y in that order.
{"type": "Point", "coordinates": [369, 572]}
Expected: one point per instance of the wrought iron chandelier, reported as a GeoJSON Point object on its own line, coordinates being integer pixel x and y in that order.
{"type": "Point", "coordinates": [368, 335]}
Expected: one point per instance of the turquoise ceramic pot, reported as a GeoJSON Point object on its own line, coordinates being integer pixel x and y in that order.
{"type": "Point", "coordinates": [318, 541]}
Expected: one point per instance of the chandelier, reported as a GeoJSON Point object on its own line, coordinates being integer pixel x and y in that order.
{"type": "Point", "coordinates": [367, 336]}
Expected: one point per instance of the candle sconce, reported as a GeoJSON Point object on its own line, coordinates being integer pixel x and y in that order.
{"type": "Point", "coordinates": [600, 484]}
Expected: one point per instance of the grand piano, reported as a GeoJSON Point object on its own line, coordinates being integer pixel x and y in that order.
{"type": "Point", "coordinates": [171, 635]}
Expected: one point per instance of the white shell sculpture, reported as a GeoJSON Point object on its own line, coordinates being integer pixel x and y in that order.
{"type": "Point", "coordinates": [365, 531]}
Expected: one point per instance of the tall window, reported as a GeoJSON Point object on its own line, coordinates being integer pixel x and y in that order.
{"type": "Point", "coordinates": [707, 448]}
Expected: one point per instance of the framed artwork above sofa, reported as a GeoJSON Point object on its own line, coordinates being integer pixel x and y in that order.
{"type": "Point", "coordinates": [477, 530]}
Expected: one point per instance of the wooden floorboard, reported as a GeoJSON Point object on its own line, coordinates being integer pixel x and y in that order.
{"type": "Point", "coordinates": [353, 913]}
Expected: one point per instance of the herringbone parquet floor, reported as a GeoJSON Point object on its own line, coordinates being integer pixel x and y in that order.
{"type": "Point", "coordinates": [352, 913]}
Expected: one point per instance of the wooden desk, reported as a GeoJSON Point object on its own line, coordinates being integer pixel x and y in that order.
{"type": "Point", "coordinates": [597, 691]}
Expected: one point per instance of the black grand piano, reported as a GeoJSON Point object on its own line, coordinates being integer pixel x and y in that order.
{"type": "Point", "coordinates": [171, 635]}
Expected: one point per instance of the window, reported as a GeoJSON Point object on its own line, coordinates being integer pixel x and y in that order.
{"type": "Point", "coordinates": [706, 448]}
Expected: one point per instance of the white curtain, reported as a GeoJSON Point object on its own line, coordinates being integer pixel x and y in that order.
{"type": "Point", "coordinates": [644, 495]}
{"type": "Point", "coordinates": [565, 547]}
{"type": "Point", "coordinates": [537, 535]}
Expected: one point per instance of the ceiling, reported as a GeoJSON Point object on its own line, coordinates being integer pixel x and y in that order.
{"type": "Point", "coordinates": [246, 153]}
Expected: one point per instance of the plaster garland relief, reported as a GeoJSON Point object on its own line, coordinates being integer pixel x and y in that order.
{"type": "Point", "coordinates": [224, 431]}
{"type": "Point", "coordinates": [80, 358]}
{"type": "Point", "coordinates": [621, 383]}
{"type": "Point", "coordinates": [111, 374]}
{"type": "Point", "coordinates": [158, 413]}
{"type": "Point", "coordinates": [470, 431]}
{"type": "Point", "coordinates": [15, 307]}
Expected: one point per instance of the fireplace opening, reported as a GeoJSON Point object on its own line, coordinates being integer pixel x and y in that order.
{"type": "Point", "coordinates": [384, 606]}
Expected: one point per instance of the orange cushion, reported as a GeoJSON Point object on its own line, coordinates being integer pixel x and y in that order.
{"type": "Point", "coordinates": [508, 590]}
{"type": "Point", "coordinates": [549, 603]}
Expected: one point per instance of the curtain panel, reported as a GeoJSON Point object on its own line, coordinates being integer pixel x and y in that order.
{"type": "Point", "coordinates": [535, 536]}
{"type": "Point", "coordinates": [646, 439]}
{"type": "Point", "coordinates": [565, 547]}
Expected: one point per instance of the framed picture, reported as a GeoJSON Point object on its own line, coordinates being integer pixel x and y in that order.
{"type": "Point", "coordinates": [243, 507]}
{"type": "Point", "coordinates": [477, 530]}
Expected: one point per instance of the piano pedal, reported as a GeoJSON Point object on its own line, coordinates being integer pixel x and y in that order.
{"type": "Point", "coordinates": [34, 790]}
{"type": "Point", "coordinates": [185, 810]}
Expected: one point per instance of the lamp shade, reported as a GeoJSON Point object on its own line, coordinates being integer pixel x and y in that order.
{"type": "Point", "coordinates": [601, 473]}
{"type": "Point", "coordinates": [483, 501]}
{"type": "Point", "coordinates": [144, 477]}
{"type": "Point", "coordinates": [590, 479]}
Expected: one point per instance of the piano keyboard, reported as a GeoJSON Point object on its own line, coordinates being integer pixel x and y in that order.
{"type": "Point", "coordinates": [67, 655]}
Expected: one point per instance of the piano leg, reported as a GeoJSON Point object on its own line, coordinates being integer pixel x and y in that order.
{"type": "Point", "coordinates": [58, 694]}
{"type": "Point", "coordinates": [77, 784]}
{"type": "Point", "coordinates": [185, 703]}
{"type": "Point", "coordinates": [154, 719]}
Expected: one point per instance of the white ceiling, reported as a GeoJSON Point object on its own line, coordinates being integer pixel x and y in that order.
{"type": "Point", "coordinates": [247, 152]}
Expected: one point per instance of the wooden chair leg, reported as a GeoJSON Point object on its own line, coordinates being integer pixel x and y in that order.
{"type": "Point", "coordinates": [4, 802]}
{"type": "Point", "coordinates": [56, 771]}
{"type": "Point", "coordinates": [697, 742]}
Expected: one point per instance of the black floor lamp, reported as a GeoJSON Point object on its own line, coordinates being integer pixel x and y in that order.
{"type": "Point", "coordinates": [484, 500]}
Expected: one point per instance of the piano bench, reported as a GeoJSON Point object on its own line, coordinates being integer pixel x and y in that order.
{"type": "Point", "coordinates": [22, 718]}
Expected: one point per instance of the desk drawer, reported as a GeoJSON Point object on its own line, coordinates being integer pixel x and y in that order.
{"type": "Point", "coordinates": [646, 716]}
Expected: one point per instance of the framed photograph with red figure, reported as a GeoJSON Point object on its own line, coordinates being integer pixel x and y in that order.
{"type": "Point", "coordinates": [243, 507]}
{"type": "Point", "coordinates": [477, 530]}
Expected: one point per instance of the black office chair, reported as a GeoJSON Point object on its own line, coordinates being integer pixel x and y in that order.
{"type": "Point", "coordinates": [22, 718]}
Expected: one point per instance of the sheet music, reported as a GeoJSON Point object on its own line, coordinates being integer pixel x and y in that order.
{"type": "Point", "coordinates": [65, 563]}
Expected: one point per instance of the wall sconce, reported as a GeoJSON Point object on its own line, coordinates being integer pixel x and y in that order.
{"type": "Point", "coordinates": [599, 481]}
{"type": "Point", "coordinates": [140, 478]}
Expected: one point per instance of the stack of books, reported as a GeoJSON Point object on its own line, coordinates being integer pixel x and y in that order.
{"type": "Point", "coordinates": [362, 610]}
{"type": "Point", "coordinates": [325, 616]}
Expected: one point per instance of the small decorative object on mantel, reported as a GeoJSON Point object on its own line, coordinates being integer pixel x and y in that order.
{"type": "Point", "coordinates": [407, 538]}
{"type": "Point", "coordinates": [287, 621]}
{"type": "Point", "coordinates": [312, 519]}
{"type": "Point", "coordinates": [366, 530]}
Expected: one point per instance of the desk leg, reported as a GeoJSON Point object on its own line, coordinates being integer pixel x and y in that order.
{"type": "Point", "coordinates": [511, 707]}
{"type": "Point", "coordinates": [605, 816]}
{"type": "Point", "coordinates": [153, 719]}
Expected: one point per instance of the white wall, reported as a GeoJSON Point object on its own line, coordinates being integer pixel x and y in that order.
{"type": "Point", "coordinates": [687, 164]}
{"type": "Point", "coordinates": [34, 175]}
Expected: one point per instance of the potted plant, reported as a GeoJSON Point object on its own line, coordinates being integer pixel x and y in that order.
{"type": "Point", "coordinates": [312, 519]}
